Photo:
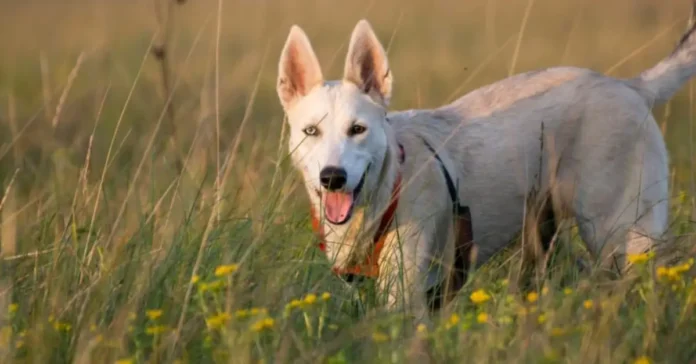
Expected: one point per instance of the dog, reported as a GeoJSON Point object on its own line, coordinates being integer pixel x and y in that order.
{"type": "Point", "coordinates": [417, 198]}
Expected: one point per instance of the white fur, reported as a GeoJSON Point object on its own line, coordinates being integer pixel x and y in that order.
{"type": "Point", "coordinates": [586, 140]}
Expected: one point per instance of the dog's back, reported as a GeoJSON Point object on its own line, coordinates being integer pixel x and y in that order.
{"type": "Point", "coordinates": [585, 144]}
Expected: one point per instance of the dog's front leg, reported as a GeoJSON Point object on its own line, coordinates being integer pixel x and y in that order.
{"type": "Point", "coordinates": [402, 278]}
{"type": "Point", "coordinates": [402, 275]}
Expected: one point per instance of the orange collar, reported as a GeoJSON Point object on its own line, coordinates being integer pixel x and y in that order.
{"type": "Point", "coordinates": [370, 267]}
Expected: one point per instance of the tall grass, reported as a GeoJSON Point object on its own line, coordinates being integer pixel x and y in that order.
{"type": "Point", "coordinates": [149, 212]}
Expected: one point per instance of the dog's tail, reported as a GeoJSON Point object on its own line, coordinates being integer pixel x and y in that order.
{"type": "Point", "coordinates": [664, 79]}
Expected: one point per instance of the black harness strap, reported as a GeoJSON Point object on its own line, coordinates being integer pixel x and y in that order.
{"type": "Point", "coordinates": [463, 243]}
{"type": "Point", "coordinates": [454, 196]}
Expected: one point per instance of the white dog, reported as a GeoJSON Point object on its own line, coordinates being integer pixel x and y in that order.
{"type": "Point", "coordinates": [385, 187]}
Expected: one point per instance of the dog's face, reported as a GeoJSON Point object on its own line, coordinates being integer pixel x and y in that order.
{"type": "Point", "coordinates": [337, 135]}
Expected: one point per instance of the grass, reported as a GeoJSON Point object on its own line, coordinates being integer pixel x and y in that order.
{"type": "Point", "coordinates": [149, 212]}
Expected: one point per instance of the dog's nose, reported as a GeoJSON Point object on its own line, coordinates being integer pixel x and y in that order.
{"type": "Point", "coordinates": [352, 278]}
{"type": "Point", "coordinates": [333, 178]}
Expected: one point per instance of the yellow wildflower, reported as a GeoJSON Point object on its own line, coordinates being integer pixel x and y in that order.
{"type": "Point", "coordinates": [532, 297]}
{"type": "Point", "coordinates": [642, 360]}
{"type": "Point", "coordinates": [241, 313]}
{"type": "Point", "coordinates": [13, 308]}
{"type": "Point", "coordinates": [541, 319]}
{"type": "Point", "coordinates": [217, 321]}
{"type": "Point", "coordinates": [212, 286]}
{"type": "Point", "coordinates": [422, 328]}
{"type": "Point", "coordinates": [379, 337]}
{"type": "Point", "coordinates": [263, 324]}
{"type": "Point", "coordinates": [640, 258]}
{"type": "Point", "coordinates": [195, 279]}
{"type": "Point", "coordinates": [227, 269]}
{"type": "Point", "coordinates": [588, 304]}
{"type": "Point", "coordinates": [310, 299]}
{"type": "Point", "coordinates": [479, 297]}
{"type": "Point", "coordinates": [482, 318]}
{"type": "Point", "coordinates": [153, 314]}
{"type": "Point", "coordinates": [257, 311]}
{"type": "Point", "coordinates": [452, 321]}
{"type": "Point", "coordinates": [155, 330]}
{"type": "Point", "coordinates": [325, 296]}
{"type": "Point", "coordinates": [567, 291]}
{"type": "Point", "coordinates": [125, 361]}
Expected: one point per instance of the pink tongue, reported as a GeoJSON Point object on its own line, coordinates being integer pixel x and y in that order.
{"type": "Point", "coordinates": [337, 206]}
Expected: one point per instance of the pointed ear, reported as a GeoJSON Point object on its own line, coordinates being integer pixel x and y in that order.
{"type": "Point", "coordinates": [298, 69]}
{"type": "Point", "coordinates": [366, 64]}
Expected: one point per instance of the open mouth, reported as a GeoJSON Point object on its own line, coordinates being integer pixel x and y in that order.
{"type": "Point", "coordinates": [338, 205]}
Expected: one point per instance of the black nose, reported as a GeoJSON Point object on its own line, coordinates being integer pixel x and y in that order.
{"type": "Point", "coordinates": [333, 178]}
{"type": "Point", "coordinates": [352, 278]}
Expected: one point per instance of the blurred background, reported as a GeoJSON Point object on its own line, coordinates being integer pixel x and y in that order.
{"type": "Point", "coordinates": [439, 50]}
{"type": "Point", "coordinates": [119, 117]}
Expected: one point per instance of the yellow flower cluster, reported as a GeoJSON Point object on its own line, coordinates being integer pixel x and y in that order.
{"type": "Point", "coordinates": [153, 314]}
{"type": "Point", "coordinates": [155, 330]}
{"type": "Point", "coordinates": [642, 360]}
{"type": "Point", "coordinates": [212, 286]}
{"type": "Point", "coordinates": [307, 301]}
{"type": "Point", "coordinates": [227, 269]}
{"type": "Point", "coordinates": [217, 321]}
{"type": "Point", "coordinates": [452, 321]}
{"type": "Point", "coordinates": [479, 297]}
{"type": "Point", "coordinates": [263, 324]}
{"type": "Point", "coordinates": [640, 258]}
{"type": "Point", "coordinates": [674, 273]}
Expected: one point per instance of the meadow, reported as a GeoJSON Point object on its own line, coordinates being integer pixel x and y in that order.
{"type": "Point", "coordinates": [149, 212]}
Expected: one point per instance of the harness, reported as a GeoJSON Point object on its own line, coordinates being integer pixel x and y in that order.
{"type": "Point", "coordinates": [444, 291]}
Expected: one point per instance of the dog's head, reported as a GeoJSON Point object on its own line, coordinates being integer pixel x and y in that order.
{"type": "Point", "coordinates": [337, 128]}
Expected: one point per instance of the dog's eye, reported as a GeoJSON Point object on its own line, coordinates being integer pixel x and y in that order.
{"type": "Point", "coordinates": [311, 130]}
{"type": "Point", "coordinates": [356, 129]}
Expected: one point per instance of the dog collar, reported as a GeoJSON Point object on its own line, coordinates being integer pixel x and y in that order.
{"type": "Point", "coordinates": [370, 267]}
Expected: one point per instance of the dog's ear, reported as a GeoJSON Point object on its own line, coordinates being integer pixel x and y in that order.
{"type": "Point", "coordinates": [367, 65]}
{"type": "Point", "coordinates": [298, 69]}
